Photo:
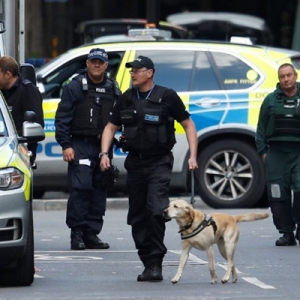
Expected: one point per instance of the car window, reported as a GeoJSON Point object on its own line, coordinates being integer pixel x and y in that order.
{"type": "Point", "coordinates": [57, 80]}
{"type": "Point", "coordinates": [3, 130]}
{"type": "Point", "coordinates": [173, 69]}
{"type": "Point", "coordinates": [204, 77]}
{"type": "Point", "coordinates": [235, 73]}
{"type": "Point", "coordinates": [296, 62]}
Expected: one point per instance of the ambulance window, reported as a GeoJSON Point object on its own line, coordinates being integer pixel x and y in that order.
{"type": "Point", "coordinates": [296, 62]}
{"type": "Point", "coordinates": [235, 74]}
{"type": "Point", "coordinates": [55, 82]}
{"type": "Point", "coordinates": [204, 78]}
{"type": "Point", "coordinates": [173, 68]}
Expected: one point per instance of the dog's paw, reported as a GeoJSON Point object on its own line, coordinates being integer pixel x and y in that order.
{"type": "Point", "coordinates": [234, 280]}
{"type": "Point", "coordinates": [214, 280]}
{"type": "Point", "coordinates": [224, 280]}
{"type": "Point", "coordinates": [174, 280]}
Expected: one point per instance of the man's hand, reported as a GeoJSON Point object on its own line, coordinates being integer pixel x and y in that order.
{"type": "Point", "coordinates": [192, 164]}
{"type": "Point", "coordinates": [104, 163]}
{"type": "Point", "coordinates": [68, 154]}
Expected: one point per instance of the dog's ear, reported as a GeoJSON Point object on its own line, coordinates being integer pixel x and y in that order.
{"type": "Point", "coordinates": [190, 211]}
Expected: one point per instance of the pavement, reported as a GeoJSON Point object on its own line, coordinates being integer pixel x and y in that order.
{"type": "Point", "coordinates": [59, 202]}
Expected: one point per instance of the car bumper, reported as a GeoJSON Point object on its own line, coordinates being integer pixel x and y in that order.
{"type": "Point", "coordinates": [14, 216]}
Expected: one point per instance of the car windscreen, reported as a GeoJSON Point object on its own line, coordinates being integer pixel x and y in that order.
{"type": "Point", "coordinates": [3, 129]}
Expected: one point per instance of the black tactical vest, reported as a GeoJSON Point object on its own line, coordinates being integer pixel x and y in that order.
{"type": "Point", "coordinates": [91, 115]}
{"type": "Point", "coordinates": [287, 116]}
{"type": "Point", "coordinates": [146, 127]}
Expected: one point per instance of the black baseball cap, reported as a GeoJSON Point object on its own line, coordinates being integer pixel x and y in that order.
{"type": "Point", "coordinates": [98, 53]}
{"type": "Point", "coordinates": [141, 62]}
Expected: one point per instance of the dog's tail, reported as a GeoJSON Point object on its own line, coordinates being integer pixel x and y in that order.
{"type": "Point", "coordinates": [251, 217]}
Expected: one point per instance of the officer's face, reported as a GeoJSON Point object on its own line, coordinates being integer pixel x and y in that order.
{"type": "Point", "coordinates": [287, 78]}
{"type": "Point", "coordinates": [96, 69]}
{"type": "Point", "coordinates": [5, 80]}
{"type": "Point", "coordinates": [141, 77]}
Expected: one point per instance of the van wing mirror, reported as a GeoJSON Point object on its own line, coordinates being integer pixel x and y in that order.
{"type": "Point", "coordinates": [28, 72]}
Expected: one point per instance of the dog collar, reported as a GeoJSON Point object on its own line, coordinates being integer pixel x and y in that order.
{"type": "Point", "coordinates": [186, 227]}
{"type": "Point", "coordinates": [208, 220]}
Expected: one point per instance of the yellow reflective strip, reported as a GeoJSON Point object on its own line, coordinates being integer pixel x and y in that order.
{"type": "Point", "coordinates": [50, 133]}
{"type": "Point", "coordinates": [123, 77]}
{"type": "Point", "coordinates": [49, 108]}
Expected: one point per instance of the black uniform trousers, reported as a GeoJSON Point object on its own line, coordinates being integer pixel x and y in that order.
{"type": "Point", "coordinates": [86, 204]}
{"type": "Point", "coordinates": [283, 184]}
{"type": "Point", "coordinates": [148, 181]}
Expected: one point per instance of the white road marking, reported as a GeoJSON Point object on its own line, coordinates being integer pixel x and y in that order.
{"type": "Point", "coordinates": [251, 280]}
{"type": "Point", "coordinates": [192, 257]}
{"type": "Point", "coordinates": [224, 266]}
{"type": "Point", "coordinates": [43, 257]}
{"type": "Point", "coordinates": [85, 251]}
{"type": "Point", "coordinates": [258, 283]}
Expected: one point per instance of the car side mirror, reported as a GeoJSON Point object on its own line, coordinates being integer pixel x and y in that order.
{"type": "Point", "coordinates": [31, 131]}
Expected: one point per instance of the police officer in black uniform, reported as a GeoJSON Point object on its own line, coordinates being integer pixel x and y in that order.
{"type": "Point", "coordinates": [80, 118]}
{"type": "Point", "coordinates": [278, 142]}
{"type": "Point", "coordinates": [21, 95]}
{"type": "Point", "coordinates": [147, 113]}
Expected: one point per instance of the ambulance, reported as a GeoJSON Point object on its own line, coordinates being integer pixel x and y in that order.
{"type": "Point", "coordinates": [222, 85]}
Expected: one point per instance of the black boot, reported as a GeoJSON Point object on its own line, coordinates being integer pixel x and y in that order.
{"type": "Point", "coordinates": [144, 276]}
{"type": "Point", "coordinates": [288, 239]}
{"type": "Point", "coordinates": [76, 240]}
{"type": "Point", "coordinates": [152, 273]}
{"type": "Point", "coordinates": [297, 235]}
{"type": "Point", "coordinates": [92, 241]}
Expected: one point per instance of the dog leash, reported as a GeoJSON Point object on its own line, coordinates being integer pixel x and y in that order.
{"type": "Point", "coordinates": [192, 187]}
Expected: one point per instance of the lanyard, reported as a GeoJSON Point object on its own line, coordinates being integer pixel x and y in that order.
{"type": "Point", "coordinates": [138, 93]}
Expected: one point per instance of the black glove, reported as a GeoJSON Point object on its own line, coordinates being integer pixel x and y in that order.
{"type": "Point", "coordinates": [107, 178]}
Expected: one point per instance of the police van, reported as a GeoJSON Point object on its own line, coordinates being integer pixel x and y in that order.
{"type": "Point", "coordinates": [222, 86]}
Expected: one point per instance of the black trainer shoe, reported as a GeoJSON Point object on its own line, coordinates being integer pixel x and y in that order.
{"type": "Point", "coordinates": [288, 239]}
{"type": "Point", "coordinates": [76, 240]}
{"type": "Point", "coordinates": [92, 241]}
{"type": "Point", "coordinates": [153, 273]}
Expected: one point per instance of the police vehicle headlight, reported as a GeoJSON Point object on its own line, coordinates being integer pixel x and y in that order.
{"type": "Point", "coordinates": [11, 178]}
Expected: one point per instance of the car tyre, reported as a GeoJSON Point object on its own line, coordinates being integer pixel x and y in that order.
{"type": "Point", "coordinates": [230, 175]}
{"type": "Point", "coordinates": [22, 274]}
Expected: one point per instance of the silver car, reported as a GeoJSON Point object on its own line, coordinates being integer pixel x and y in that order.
{"type": "Point", "coordinates": [16, 186]}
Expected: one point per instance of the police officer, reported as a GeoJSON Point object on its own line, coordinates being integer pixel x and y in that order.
{"type": "Point", "coordinates": [21, 95]}
{"type": "Point", "coordinates": [146, 113]}
{"type": "Point", "coordinates": [80, 118]}
{"type": "Point", "coordinates": [278, 143]}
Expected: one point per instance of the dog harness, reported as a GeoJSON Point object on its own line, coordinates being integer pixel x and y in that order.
{"type": "Point", "coordinates": [208, 221]}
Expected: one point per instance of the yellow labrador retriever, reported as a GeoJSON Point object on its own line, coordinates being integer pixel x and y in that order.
{"type": "Point", "coordinates": [201, 231]}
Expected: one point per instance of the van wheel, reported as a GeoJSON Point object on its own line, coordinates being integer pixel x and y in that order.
{"type": "Point", "coordinates": [22, 273]}
{"type": "Point", "coordinates": [230, 175]}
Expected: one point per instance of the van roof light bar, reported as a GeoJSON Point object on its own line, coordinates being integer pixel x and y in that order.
{"type": "Point", "coordinates": [149, 33]}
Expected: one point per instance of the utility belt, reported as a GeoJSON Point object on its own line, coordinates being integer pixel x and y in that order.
{"type": "Point", "coordinates": [87, 138]}
{"type": "Point", "coordinates": [285, 146]}
{"type": "Point", "coordinates": [145, 155]}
